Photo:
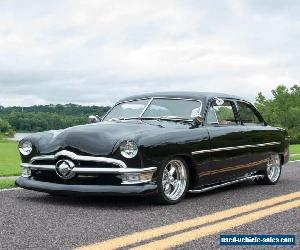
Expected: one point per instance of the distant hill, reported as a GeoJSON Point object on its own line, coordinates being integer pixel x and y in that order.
{"type": "Point", "coordinates": [47, 117]}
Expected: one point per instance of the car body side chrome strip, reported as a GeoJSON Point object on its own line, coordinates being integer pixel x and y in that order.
{"type": "Point", "coordinates": [234, 148]}
{"type": "Point", "coordinates": [80, 170]}
{"type": "Point", "coordinates": [74, 157]}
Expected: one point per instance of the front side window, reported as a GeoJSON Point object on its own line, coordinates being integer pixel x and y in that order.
{"type": "Point", "coordinates": [247, 115]}
{"type": "Point", "coordinates": [221, 114]}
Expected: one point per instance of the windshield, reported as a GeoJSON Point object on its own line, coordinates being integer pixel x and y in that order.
{"type": "Point", "coordinates": [173, 108]}
{"type": "Point", "coordinates": [156, 108]}
{"type": "Point", "coordinates": [127, 110]}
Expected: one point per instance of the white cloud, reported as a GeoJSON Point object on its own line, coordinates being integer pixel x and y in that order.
{"type": "Point", "coordinates": [96, 52]}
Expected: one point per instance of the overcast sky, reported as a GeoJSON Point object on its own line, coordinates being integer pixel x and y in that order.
{"type": "Point", "coordinates": [96, 52]}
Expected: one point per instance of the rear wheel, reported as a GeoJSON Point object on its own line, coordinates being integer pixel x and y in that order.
{"type": "Point", "coordinates": [172, 180]}
{"type": "Point", "coordinates": [57, 195]}
{"type": "Point", "coordinates": [272, 172]}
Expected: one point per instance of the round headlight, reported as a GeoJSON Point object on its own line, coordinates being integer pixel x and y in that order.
{"type": "Point", "coordinates": [25, 148]}
{"type": "Point", "coordinates": [129, 149]}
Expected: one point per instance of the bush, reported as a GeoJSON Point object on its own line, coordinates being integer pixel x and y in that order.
{"type": "Point", "coordinates": [5, 129]}
{"type": "Point", "coordinates": [294, 133]}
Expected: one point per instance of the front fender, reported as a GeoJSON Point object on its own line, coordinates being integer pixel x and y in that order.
{"type": "Point", "coordinates": [156, 148]}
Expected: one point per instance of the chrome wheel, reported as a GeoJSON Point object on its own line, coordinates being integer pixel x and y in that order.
{"type": "Point", "coordinates": [274, 168]}
{"type": "Point", "coordinates": [174, 179]}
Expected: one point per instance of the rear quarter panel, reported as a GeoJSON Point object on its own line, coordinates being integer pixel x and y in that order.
{"type": "Point", "coordinates": [265, 134]}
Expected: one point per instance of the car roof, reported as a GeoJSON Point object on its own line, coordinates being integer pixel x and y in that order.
{"type": "Point", "coordinates": [184, 94]}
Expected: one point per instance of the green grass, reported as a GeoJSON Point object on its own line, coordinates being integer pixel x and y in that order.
{"type": "Point", "coordinates": [7, 183]}
{"type": "Point", "coordinates": [295, 158]}
{"type": "Point", "coordinates": [295, 149]}
{"type": "Point", "coordinates": [9, 158]}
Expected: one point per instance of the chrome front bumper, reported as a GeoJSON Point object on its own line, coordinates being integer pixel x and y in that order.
{"type": "Point", "coordinates": [79, 170]}
{"type": "Point", "coordinates": [54, 188]}
{"type": "Point", "coordinates": [127, 175]}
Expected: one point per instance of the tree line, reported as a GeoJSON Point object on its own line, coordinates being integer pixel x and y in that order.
{"type": "Point", "coordinates": [45, 117]}
{"type": "Point", "coordinates": [282, 109]}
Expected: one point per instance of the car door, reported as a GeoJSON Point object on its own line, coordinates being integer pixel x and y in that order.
{"type": "Point", "coordinates": [263, 139]}
{"type": "Point", "coordinates": [228, 156]}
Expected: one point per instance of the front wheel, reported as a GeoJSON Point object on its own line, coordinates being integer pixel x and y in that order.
{"type": "Point", "coordinates": [272, 173]}
{"type": "Point", "coordinates": [172, 181]}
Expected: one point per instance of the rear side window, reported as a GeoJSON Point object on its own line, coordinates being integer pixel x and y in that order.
{"type": "Point", "coordinates": [247, 114]}
{"type": "Point", "coordinates": [222, 114]}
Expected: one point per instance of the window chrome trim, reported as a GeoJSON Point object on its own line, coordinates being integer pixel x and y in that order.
{"type": "Point", "coordinates": [76, 157]}
{"type": "Point", "coordinates": [146, 107]}
{"type": "Point", "coordinates": [234, 148]}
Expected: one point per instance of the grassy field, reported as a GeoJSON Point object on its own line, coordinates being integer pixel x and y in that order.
{"type": "Point", "coordinates": [9, 159]}
{"type": "Point", "coordinates": [295, 149]}
{"type": "Point", "coordinates": [7, 183]}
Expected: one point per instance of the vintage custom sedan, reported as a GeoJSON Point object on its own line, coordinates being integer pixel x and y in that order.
{"type": "Point", "coordinates": [160, 144]}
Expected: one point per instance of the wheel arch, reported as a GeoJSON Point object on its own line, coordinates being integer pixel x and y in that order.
{"type": "Point", "coordinates": [281, 158]}
{"type": "Point", "coordinates": [192, 169]}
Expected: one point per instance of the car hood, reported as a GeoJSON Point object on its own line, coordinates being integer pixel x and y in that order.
{"type": "Point", "coordinates": [96, 139]}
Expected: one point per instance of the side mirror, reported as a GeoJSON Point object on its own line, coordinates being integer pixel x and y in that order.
{"type": "Point", "coordinates": [197, 121]}
{"type": "Point", "coordinates": [94, 119]}
{"type": "Point", "coordinates": [219, 101]}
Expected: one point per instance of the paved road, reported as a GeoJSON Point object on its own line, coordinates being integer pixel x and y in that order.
{"type": "Point", "coordinates": [30, 220]}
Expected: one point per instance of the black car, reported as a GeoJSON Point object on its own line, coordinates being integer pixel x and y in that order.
{"type": "Point", "coordinates": [158, 144]}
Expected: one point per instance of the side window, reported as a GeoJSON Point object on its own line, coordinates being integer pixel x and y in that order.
{"type": "Point", "coordinates": [247, 114]}
{"type": "Point", "coordinates": [222, 114]}
{"type": "Point", "coordinates": [212, 116]}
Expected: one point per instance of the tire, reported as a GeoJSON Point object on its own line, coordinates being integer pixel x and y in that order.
{"type": "Point", "coordinates": [58, 195]}
{"type": "Point", "coordinates": [172, 181]}
{"type": "Point", "coordinates": [271, 174]}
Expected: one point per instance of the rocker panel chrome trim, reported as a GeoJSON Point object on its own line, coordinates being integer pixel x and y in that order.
{"type": "Point", "coordinates": [205, 189]}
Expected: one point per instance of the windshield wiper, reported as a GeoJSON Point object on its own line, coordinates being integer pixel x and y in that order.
{"type": "Point", "coordinates": [172, 118]}
{"type": "Point", "coordinates": [123, 118]}
{"type": "Point", "coordinates": [159, 118]}
{"type": "Point", "coordinates": [168, 118]}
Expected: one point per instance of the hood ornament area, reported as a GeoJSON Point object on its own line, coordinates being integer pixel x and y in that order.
{"type": "Point", "coordinates": [64, 169]}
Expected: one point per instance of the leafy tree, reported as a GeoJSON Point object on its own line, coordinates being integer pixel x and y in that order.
{"type": "Point", "coordinates": [283, 109]}
{"type": "Point", "coordinates": [224, 113]}
{"type": "Point", "coordinates": [5, 128]}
